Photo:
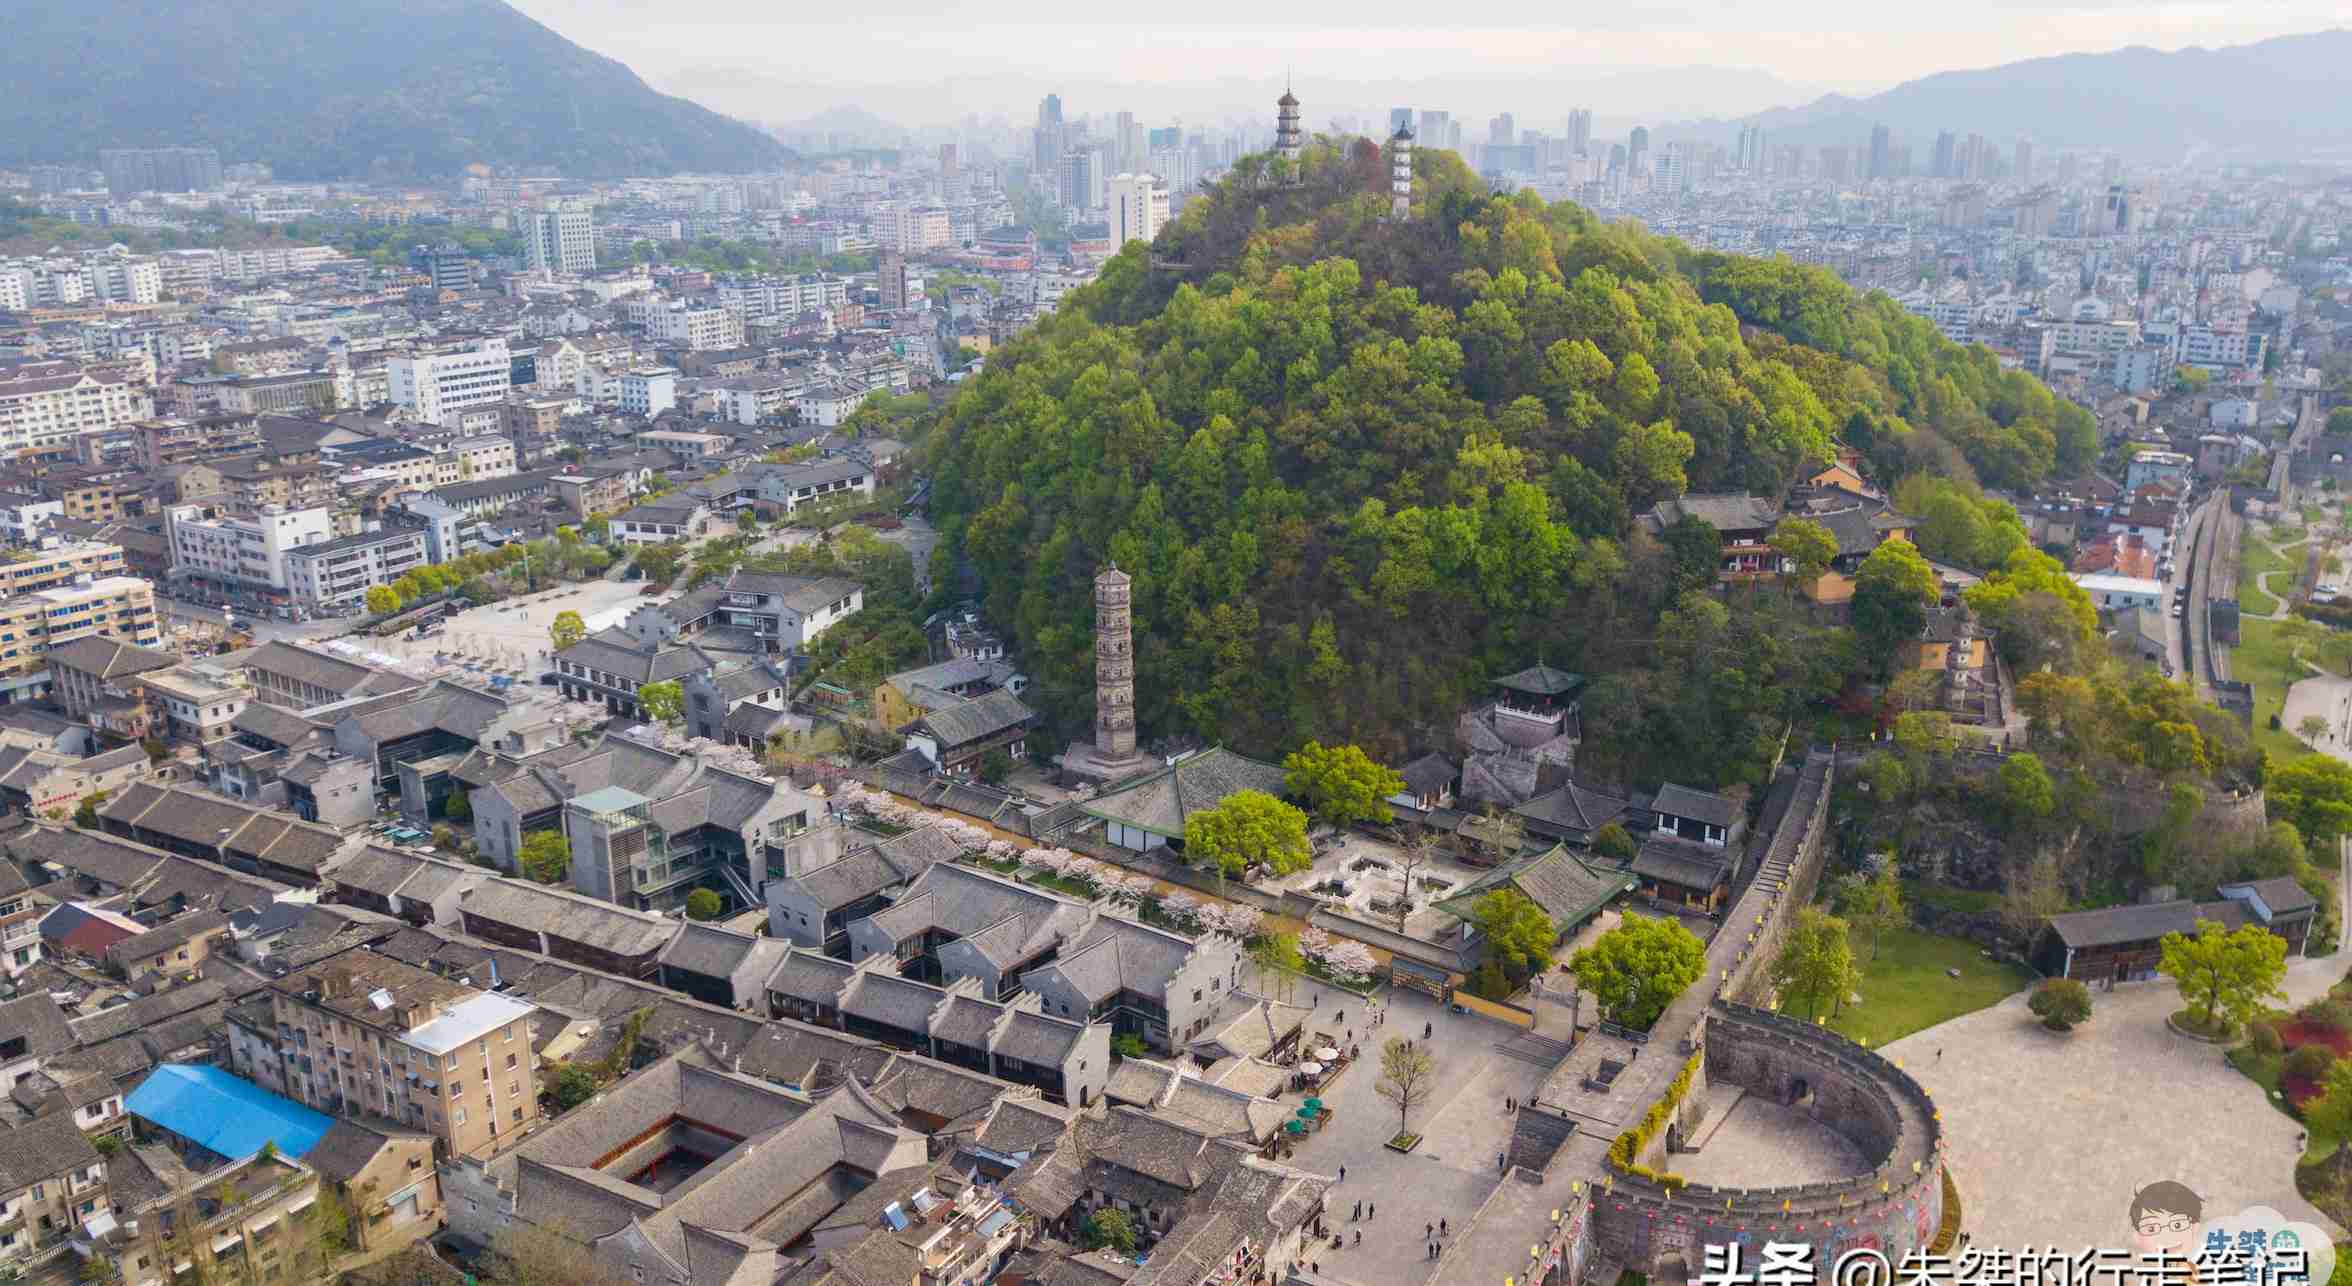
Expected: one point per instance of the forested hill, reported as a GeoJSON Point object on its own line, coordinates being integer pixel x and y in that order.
{"type": "Point", "coordinates": [1357, 467]}
{"type": "Point", "coordinates": [327, 89]}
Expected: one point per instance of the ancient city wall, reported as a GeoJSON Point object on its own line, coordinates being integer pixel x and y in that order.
{"type": "Point", "coordinates": [1893, 1207]}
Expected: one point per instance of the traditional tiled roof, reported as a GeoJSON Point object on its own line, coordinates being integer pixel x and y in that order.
{"type": "Point", "coordinates": [1557, 880]}
{"type": "Point", "coordinates": [981, 717]}
{"type": "Point", "coordinates": [43, 1149]}
{"type": "Point", "coordinates": [1541, 680]}
{"type": "Point", "coordinates": [106, 658]}
{"type": "Point", "coordinates": [2143, 922]}
{"type": "Point", "coordinates": [1160, 802]}
{"type": "Point", "coordinates": [1682, 863]}
{"type": "Point", "coordinates": [36, 1020]}
{"type": "Point", "coordinates": [1572, 811]}
{"type": "Point", "coordinates": [568, 916]}
{"type": "Point", "coordinates": [1698, 805]}
{"type": "Point", "coordinates": [1731, 511]}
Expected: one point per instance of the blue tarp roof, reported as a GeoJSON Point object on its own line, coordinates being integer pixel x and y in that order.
{"type": "Point", "coordinates": [231, 1116]}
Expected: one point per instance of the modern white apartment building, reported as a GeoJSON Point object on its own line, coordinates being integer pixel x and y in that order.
{"type": "Point", "coordinates": [682, 325]}
{"type": "Point", "coordinates": [122, 279]}
{"type": "Point", "coordinates": [559, 242]}
{"type": "Point", "coordinates": [474, 460]}
{"type": "Point", "coordinates": [750, 298]}
{"type": "Point", "coordinates": [253, 265]}
{"type": "Point", "coordinates": [338, 573]}
{"type": "Point", "coordinates": [1139, 207]}
{"type": "Point", "coordinates": [246, 554]}
{"type": "Point", "coordinates": [649, 392]}
{"type": "Point", "coordinates": [912, 229]}
{"type": "Point", "coordinates": [47, 404]}
{"type": "Point", "coordinates": [439, 386]}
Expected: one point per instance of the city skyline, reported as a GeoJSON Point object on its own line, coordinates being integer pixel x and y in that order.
{"type": "Point", "coordinates": [1193, 62]}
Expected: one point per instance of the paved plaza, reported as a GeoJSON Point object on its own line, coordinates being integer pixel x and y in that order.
{"type": "Point", "coordinates": [515, 632]}
{"type": "Point", "coordinates": [1464, 1126]}
{"type": "Point", "coordinates": [1760, 1143]}
{"type": "Point", "coordinates": [2052, 1134]}
{"type": "Point", "coordinates": [2328, 697]}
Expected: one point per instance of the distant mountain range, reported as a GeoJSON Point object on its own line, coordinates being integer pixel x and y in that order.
{"type": "Point", "coordinates": [2276, 98]}
{"type": "Point", "coordinates": [346, 88]}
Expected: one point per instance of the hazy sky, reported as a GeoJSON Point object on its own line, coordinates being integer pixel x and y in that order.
{"type": "Point", "coordinates": [763, 59]}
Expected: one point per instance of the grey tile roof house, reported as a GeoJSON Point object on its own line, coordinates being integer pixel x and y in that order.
{"type": "Point", "coordinates": [955, 738]}
{"type": "Point", "coordinates": [793, 1163]}
{"type": "Point", "coordinates": [957, 1024]}
{"type": "Point", "coordinates": [728, 831]}
{"type": "Point", "coordinates": [956, 922]}
{"type": "Point", "coordinates": [720, 966]}
{"type": "Point", "coordinates": [815, 907]}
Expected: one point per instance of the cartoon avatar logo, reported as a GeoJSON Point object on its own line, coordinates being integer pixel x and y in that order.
{"type": "Point", "coordinates": [2164, 1217]}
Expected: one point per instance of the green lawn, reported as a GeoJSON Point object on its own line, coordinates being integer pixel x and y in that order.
{"type": "Point", "coordinates": [2262, 659]}
{"type": "Point", "coordinates": [2254, 558]}
{"type": "Point", "coordinates": [1905, 988]}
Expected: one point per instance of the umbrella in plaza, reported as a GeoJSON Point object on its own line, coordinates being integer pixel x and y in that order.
{"type": "Point", "coordinates": [1295, 1127]}
{"type": "Point", "coordinates": [1327, 1053]}
{"type": "Point", "coordinates": [1311, 1069]}
{"type": "Point", "coordinates": [1314, 1105]}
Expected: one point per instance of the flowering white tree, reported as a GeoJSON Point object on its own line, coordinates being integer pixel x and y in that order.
{"type": "Point", "coordinates": [1352, 961]}
{"type": "Point", "coordinates": [1234, 918]}
{"type": "Point", "coordinates": [1002, 850]}
{"type": "Point", "coordinates": [1182, 907]}
{"type": "Point", "coordinates": [1128, 887]}
{"type": "Point", "coordinates": [1313, 942]}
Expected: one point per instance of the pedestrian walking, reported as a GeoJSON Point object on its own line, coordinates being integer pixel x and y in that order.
{"type": "Point", "coordinates": [1339, 1016]}
{"type": "Point", "coordinates": [1428, 1230]}
{"type": "Point", "coordinates": [1500, 1161]}
{"type": "Point", "coordinates": [1359, 1213]}
{"type": "Point", "coordinates": [1372, 1211]}
{"type": "Point", "coordinates": [1939, 1055]}
{"type": "Point", "coordinates": [1427, 1029]}
{"type": "Point", "coordinates": [1359, 1236]}
{"type": "Point", "coordinates": [1441, 1227]}
{"type": "Point", "coordinates": [1343, 1174]}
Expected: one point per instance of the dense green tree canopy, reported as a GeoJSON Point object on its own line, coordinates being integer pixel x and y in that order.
{"type": "Point", "coordinates": [1357, 467]}
{"type": "Point", "coordinates": [1637, 969]}
{"type": "Point", "coordinates": [1892, 593]}
{"type": "Point", "coordinates": [1248, 828]}
{"type": "Point", "coordinates": [1341, 784]}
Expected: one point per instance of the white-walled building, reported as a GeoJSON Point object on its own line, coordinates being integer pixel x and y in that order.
{"type": "Point", "coordinates": [1139, 208]}
{"type": "Point", "coordinates": [437, 387]}
{"type": "Point", "coordinates": [338, 573]}
{"type": "Point", "coordinates": [559, 242]}
{"type": "Point", "coordinates": [649, 392]}
{"type": "Point", "coordinates": [682, 325]}
{"type": "Point", "coordinates": [243, 553]}
{"type": "Point", "coordinates": [49, 404]}
{"type": "Point", "coordinates": [751, 298]}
